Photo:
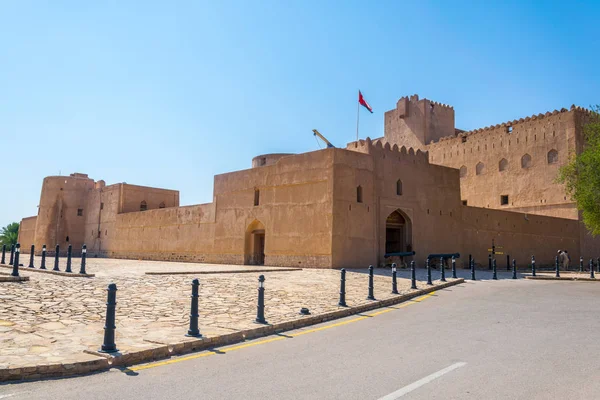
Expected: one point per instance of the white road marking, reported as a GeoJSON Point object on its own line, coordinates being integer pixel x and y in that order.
{"type": "Point", "coordinates": [415, 385]}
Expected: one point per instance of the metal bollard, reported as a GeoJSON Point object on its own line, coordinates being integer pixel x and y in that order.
{"type": "Point", "coordinates": [490, 262]}
{"type": "Point", "coordinates": [56, 259]}
{"type": "Point", "coordinates": [428, 272]}
{"type": "Point", "coordinates": [507, 262]}
{"type": "Point", "coordinates": [342, 302]}
{"type": "Point", "coordinates": [413, 276]}
{"type": "Point", "coordinates": [453, 267]}
{"type": "Point", "coordinates": [43, 264]}
{"type": "Point", "coordinates": [580, 264]}
{"type": "Point", "coordinates": [194, 331]}
{"type": "Point", "coordinates": [109, 345]}
{"type": "Point", "coordinates": [473, 270]}
{"type": "Point", "coordinates": [15, 271]}
{"type": "Point", "coordinates": [12, 254]}
{"type": "Point", "coordinates": [514, 268]}
{"type": "Point", "coordinates": [532, 265]}
{"type": "Point", "coordinates": [494, 274]}
{"type": "Point", "coordinates": [591, 269]}
{"type": "Point", "coordinates": [3, 260]}
{"type": "Point", "coordinates": [83, 255]}
{"type": "Point", "coordinates": [394, 281]}
{"type": "Point", "coordinates": [31, 257]}
{"type": "Point", "coordinates": [69, 252]}
{"type": "Point", "coordinates": [260, 309]}
{"type": "Point", "coordinates": [556, 266]}
{"type": "Point", "coordinates": [470, 258]}
{"type": "Point", "coordinates": [443, 275]}
{"type": "Point", "coordinates": [371, 296]}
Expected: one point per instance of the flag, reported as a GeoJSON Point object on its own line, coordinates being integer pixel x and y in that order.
{"type": "Point", "coordinates": [363, 102]}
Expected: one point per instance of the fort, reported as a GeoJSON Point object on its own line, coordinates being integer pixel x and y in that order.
{"type": "Point", "coordinates": [424, 186]}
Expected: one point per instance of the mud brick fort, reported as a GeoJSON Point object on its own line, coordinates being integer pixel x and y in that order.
{"type": "Point", "coordinates": [424, 186]}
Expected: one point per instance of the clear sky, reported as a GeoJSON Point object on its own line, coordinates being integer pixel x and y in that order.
{"type": "Point", "coordinates": [168, 94]}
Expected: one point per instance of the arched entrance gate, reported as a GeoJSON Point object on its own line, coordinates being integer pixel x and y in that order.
{"type": "Point", "coordinates": [398, 233]}
{"type": "Point", "coordinates": [254, 244]}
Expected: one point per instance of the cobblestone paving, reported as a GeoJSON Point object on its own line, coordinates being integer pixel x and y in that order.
{"type": "Point", "coordinates": [52, 319]}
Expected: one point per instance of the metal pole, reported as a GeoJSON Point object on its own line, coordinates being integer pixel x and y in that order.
{"type": "Point", "coordinates": [514, 268]}
{"type": "Point", "coordinates": [557, 267]}
{"type": "Point", "coordinates": [473, 270]}
{"type": "Point", "coordinates": [494, 274]}
{"type": "Point", "coordinates": [580, 264]}
{"type": "Point", "coordinates": [12, 254]}
{"type": "Point", "coordinates": [532, 265]}
{"type": "Point", "coordinates": [3, 260]}
{"type": "Point", "coordinates": [591, 269]}
{"type": "Point", "coordinates": [342, 302]}
{"type": "Point", "coordinates": [194, 331]}
{"type": "Point", "coordinates": [260, 309]}
{"type": "Point", "coordinates": [371, 296]}
{"type": "Point", "coordinates": [31, 257]}
{"type": "Point", "coordinates": [507, 262]}
{"type": "Point", "coordinates": [394, 281]}
{"type": "Point", "coordinates": [69, 252]}
{"type": "Point", "coordinates": [443, 275]}
{"type": "Point", "coordinates": [83, 256]}
{"type": "Point", "coordinates": [453, 267]}
{"type": "Point", "coordinates": [43, 264]}
{"type": "Point", "coordinates": [413, 277]}
{"type": "Point", "coordinates": [428, 272]}
{"type": "Point", "coordinates": [15, 271]}
{"type": "Point", "coordinates": [56, 259]}
{"type": "Point", "coordinates": [109, 345]}
{"type": "Point", "coordinates": [357, 116]}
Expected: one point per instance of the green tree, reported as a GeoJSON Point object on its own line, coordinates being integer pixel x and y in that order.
{"type": "Point", "coordinates": [581, 175]}
{"type": "Point", "coordinates": [9, 234]}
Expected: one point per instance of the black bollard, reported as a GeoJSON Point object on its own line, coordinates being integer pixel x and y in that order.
{"type": "Point", "coordinates": [342, 302]}
{"type": "Point", "coordinates": [494, 274]}
{"type": "Point", "coordinates": [580, 264]}
{"type": "Point", "coordinates": [12, 254]}
{"type": "Point", "coordinates": [591, 269]}
{"type": "Point", "coordinates": [598, 264]}
{"type": "Point", "coordinates": [443, 275]}
{"type": "Point", "coordinates": [453, 268]}
{"type": "Point", "coordinates": [556, 267]}
{"type": "Point", "coordinates": [56, 259]}
{"type": "Point", "coordinates": [470, 258]}
{"type": "Point", "coordinates": [394, 281]}
{"type": "Point", "coordinates": [109, 345]}
{"type": "Point", "coordinates": [43, 264]}
{"type": "Point", "coordinates": [83, 255]}
{"type": "Point", "coordinates": [490, 262]}
{"type": "Point", "coordinates": [428, 272]}
{"type": "Point", "coordinates": [473, 270]}
{"type": "Point", "coordinates": [260, 310]}
{"type": "Point", "coordinates": [514, 268]}
{"type": "Point", "coordinates": [507, 262]}
{"type": "Point", "coordinates": [3, 260]}
{"type": "Point", "coordinates": [15, 271]}
{"type": "Point", "coordinates": [371, 296]}
{"type": "Point", "coordinates": [31, 257]}
{"type": "Point", "coordinates": [413, 276]}
{"type": "Point", "coordinates": [532, 265]}
{"type": "Point", "coordinates": [69, 251]}
{"type": "Point", "coordinates": [194, 331]}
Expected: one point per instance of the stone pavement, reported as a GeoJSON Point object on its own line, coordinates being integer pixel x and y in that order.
{"type": "Point", "coordinates": [53, 319]}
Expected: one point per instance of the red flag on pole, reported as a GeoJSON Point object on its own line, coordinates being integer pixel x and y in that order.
{"type": "Point", "coordinates": [363, 102]}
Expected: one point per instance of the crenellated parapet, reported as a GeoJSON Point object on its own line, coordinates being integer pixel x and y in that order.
{"type": "Point", "coordinates": [381, 149]}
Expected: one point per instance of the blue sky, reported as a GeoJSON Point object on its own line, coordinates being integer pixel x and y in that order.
{"type": "Point", "coordinates": [169, 94]}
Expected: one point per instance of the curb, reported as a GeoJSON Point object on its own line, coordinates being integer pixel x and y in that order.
{"type": "Point", "coordinates": [166, 351]}
{"type": "Point", "coordinates": [10, 278]}
{"type": "Point", "coordinates": [553, 278]}
{"type": "Point", "coordinates": [49, 271]}
{"type": "Point", "coordinates": [223, 272]}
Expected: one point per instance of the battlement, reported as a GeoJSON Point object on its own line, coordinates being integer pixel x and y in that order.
{"type": "Point", "coordinates": [378, 148]}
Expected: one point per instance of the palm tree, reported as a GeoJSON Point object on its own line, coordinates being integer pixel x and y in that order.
{"type": "Point", "coordinates": [9, 234]}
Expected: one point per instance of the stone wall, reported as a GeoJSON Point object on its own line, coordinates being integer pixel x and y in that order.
{"type": "Point", "coordinates": [27, 233]}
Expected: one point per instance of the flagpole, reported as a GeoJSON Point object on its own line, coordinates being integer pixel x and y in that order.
{"type": "Point", "coordinates": [357, 116]}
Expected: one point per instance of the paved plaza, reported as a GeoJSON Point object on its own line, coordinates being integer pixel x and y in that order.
{"type": "Point", "coordinates": [54, 319]}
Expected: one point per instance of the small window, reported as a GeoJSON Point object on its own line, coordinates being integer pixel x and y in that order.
{"type": "Point", "coordinates": [399, 187]}
{"type": "Point", "coordinates": [67, 239]}
{"type": "Point", "coordinates": [509, 129]}
{"type": "Point", "coordinates": [479, 168]}
{"type": "Point", "coordinates": [102, 206]}
{"type": "Point", "coordinates": [79, 212]}
{"type": "Point", "coordinates": [526, 161]}
{"type": "Point", "coordinates": [359, 197]}
{"type": "Point", "coordinates": [504, 200]}
{"type": "Point", "coordinates": [464, 139]}
{"type": "Point", "coordinates": [552, 156]}
{"type": "Point", "coordinates": [143, 205]}
{"type": "Point", "coordinates": [464, 202]}
{"type": "Point", "coordinates": [99, 234]}
{"type": "Point", "coordinates": [106, 232]}
{"type": "Point", "coordinates": [503, 165]}
{"type": "Point", "coordinates": [463, 171]}
{"type": "Point", "coordinates": [161, 205]}
{"type": "Point", "coordinates": [256, 197]}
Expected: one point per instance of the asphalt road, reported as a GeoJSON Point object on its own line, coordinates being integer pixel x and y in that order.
{"type": "Point", "coordinates": [500, 339]}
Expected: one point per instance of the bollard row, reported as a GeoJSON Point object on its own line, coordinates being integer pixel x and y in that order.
{"type": "Point", "coordinates": [16, 248]}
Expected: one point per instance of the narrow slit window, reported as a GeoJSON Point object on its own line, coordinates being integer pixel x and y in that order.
{"type": "Point", "coordinates": [359, 194]}
{"type": "Point", "coordinates": [256, 197]}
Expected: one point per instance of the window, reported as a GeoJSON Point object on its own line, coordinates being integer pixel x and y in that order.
{"type": "Point", "coordinates": [79, 212]}
{"type": "Point", "coordinates": [102, 206]}
{"type": "Point", "coordinates": [99, 233]}
{"type": "Point", "coordinates": [504, 200]}
{"type": "Point", "coordinates": [463, 171]}
{"type": "Point", "coordinates": [479, 168]}
{"type": "Point", "coordinates": [503, 165]}
{"type": "Point", "coordinates": [464, 139]}
{"type": "Point", "coordinates": [67, 239]}
{"type": "Point", "coordinates": [359, 198]}
{"type": "Point", "coordinates": [161, 205]}
{"type": "Point", "coordinates": [509, 129]}
{"type": "Point", "coordinates": [552, 156]}
{"type": "Point", "coordinates": [464, 202]}
{"type": "Point", "coordinates": [399, 187]}
{"type": "Point", "coordinates": [106, 232]}
{"type": "Point", "coordinates": [256, 197]}
{"type": "Point", "coordinates": [143, 205]}
{"type": "Point", "coordinates": [526, 161]}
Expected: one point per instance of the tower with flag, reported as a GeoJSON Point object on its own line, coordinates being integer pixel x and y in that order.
{"type": "Point", "coordinates": [361, 102]}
